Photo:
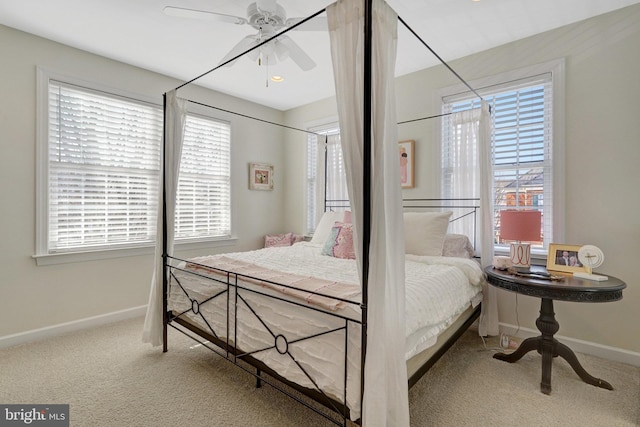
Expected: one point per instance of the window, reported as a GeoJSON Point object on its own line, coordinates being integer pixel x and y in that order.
{"type": "Point", "coordinates": [522, 146]}
{"type": "Point", "coordinates": [99, 167]}
{"type": "Point", "coordinates": [204, 187]}
{"type": "Point", "coordinates": [332, 188]}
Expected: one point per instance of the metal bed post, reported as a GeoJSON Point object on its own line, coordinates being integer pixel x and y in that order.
{"type": "Point", "coordinates": [165, 243]}
{"type": "Point", "coordinates": [366, 177]}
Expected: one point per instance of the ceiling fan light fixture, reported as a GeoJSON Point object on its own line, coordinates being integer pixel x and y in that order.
{"type": "Point", "coordinates": [281, 50]}
{"type": "Point", "coordinates": [277, 79]}
{"type": "Point", "coordinates": [268, 18]}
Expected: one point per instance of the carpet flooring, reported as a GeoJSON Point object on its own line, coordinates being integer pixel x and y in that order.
{"type": "Point", "coordinates": [110, 378]}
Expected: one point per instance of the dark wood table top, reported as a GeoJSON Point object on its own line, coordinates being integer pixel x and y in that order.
{"type": "Point", "coordinates": [569, 289]}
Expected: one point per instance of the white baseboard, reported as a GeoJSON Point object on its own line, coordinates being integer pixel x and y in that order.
{"type": "Point", "coordinates": [579, 346]}
{"type": "Point", "coordinates": [63, 328]}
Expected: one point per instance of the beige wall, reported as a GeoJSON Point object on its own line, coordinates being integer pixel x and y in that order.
{"type": "Point", "coordinates": [34, 297]}
{"type": "Point", "coordinates": [601, 172]}
{"type": "Point", "coordinates": [601, 168]}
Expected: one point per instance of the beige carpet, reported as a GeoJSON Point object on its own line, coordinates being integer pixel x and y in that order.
{"type": "Point", "coordinates": [110, 378]}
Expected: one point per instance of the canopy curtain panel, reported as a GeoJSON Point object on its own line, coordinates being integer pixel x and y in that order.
{"type": "Point", "coordinates": [175, 117]}
{"type": "Point", "coordinates": [385, 375]}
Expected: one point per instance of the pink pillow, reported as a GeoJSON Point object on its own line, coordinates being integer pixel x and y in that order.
{"type": "Point", "coordinates": [347, 217]}
{"type": "Point", "coordinates": [273, 240]}
{"type": "Point", "coordinates": [339, 244]}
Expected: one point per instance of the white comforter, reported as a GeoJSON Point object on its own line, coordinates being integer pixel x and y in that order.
{"type": "Point", "coordinates": [437, 290]}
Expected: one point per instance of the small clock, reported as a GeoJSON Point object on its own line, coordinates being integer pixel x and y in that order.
{"type": "Point", "coordinates": [591, 257]}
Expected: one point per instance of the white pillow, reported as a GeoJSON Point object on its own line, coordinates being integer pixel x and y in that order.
{"type": "Point", "coordinates": [323, 229]}
{"type": "Point", "coordinates": [424, 232]}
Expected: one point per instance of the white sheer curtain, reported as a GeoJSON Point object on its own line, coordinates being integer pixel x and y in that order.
{"type": "Point", "coordinates": [335, 186]}
{"type": "Point", "coordinates": [470, 160]}
{"type": "Point", "coordinates": [386, 391]}
{"type": "Point", "coordinates": [463, 162]}
{"type": "Point", "coordinates": [175, 115]}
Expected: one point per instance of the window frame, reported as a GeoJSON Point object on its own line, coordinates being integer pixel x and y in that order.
{"type": "Point", "coordinates": [42, 255]}
{"type": "Point", "coordinates": [557, 70]}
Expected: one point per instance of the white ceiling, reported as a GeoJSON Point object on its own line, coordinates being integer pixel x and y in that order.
{"type": "Point", "coordinates": [139, 33]}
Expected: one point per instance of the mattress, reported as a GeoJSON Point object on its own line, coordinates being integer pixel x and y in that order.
{"type": "Point", "coordinates": [304, 342]}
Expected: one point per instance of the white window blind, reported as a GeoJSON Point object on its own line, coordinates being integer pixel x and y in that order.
{"type": "Point", "coordinates": [104, 162]}
{"type": "Point", "coordinates": [522, 113]}
{"type": "Point", "coordinates": [103, 171]}
{"type": "Point", "coordinates": [312, 182]}
{"type": "Point", "coordinates": [204, 195]}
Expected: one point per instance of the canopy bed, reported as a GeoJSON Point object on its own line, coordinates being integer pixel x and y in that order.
{"type": "Point", "coordinates": [343, 320]}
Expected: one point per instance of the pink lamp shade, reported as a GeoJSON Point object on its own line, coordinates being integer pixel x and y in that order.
{"type": "Point", "coordinates": [520, 226]}
{"type": "Point", "coordinates": [523, 226]}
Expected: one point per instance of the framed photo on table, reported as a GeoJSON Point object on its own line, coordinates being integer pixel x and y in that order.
{"type": "Point", "coordinates": [407, 163]}
{"type": "Point", "coordinates": [564, 258]}
{"type": "Point", "coordinates": [260, 176]}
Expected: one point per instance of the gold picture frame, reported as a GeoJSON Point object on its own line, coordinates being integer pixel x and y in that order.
{"type": "Point", "coordinates": [407, 163]}
{"type": "Point", "coordinates": [260, 176]}
{"type": "Point", "coordinates": [556, 258]}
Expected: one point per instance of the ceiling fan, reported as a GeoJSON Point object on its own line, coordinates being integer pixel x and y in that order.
{"type": "Point", "coordinates": [269, 18]}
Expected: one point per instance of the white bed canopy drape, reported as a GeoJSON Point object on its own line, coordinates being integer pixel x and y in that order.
{"type": "Point", "coordinates": [175, 116]}
{"type": "Point", "coordinates": [385, 400]}
{"type": "Point", "coordinates": [488, 324]}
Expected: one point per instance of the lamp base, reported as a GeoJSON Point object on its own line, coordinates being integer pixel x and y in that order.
{"type": "Point", "coordinates": [520, 255]}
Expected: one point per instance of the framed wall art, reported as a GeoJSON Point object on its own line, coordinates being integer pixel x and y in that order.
{"type": "Point", "coordinates": [260, 176]}
{"type": "Point", "coordinates": [564, 258]}
{"type": "Point", "coordinates": [407, 162]}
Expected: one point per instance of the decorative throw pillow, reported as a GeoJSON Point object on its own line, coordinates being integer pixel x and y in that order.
{"type": "Point", "coordinates": [424, 232]}
{"type": "Point", "coordinates": [339, 244]}
{"type": "Point", "coordinates": [457, 245]}
{"type": "Point", "coordinates": [273, 240]}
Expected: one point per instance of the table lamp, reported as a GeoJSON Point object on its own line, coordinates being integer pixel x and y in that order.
{"type": "Point", "coordinates": [520, 226]}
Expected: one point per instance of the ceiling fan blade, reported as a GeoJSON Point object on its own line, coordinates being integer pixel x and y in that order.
{"type": "Point", "coordinates": [204, 15]}
{"type": "Point", "coordinates": [281, 50]}
{"type": "Point", "coordinates": [242, 46]}
{"type": "Point", "coordinates": [319, 23]}
{"type": "Point", "coordinates": [296, 53]}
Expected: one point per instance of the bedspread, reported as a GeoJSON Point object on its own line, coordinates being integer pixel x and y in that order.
{"type": "Point", "coordinates": [437, 290]}
{"type": "Point", "coordinates": [312, 290]}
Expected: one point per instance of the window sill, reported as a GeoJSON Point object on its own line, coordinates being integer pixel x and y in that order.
{"type": "Point", "coordinates": [71, 257]}
{"type": "Point", "coordinates": [538, 256]}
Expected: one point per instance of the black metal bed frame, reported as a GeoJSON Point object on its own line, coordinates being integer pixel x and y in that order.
{"type": "Point", "coordinates": [234, 286]}
{"type": "Point", "coordinates": [229, 351]}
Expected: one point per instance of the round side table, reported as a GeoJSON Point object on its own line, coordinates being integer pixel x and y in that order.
{"type": "Point", "coordinates": [569, 289]}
